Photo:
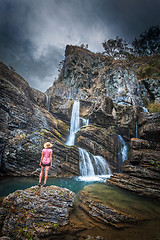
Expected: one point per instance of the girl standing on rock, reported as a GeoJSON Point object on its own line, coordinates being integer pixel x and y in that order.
{"type": "Point", "coordinates": [45, 162]}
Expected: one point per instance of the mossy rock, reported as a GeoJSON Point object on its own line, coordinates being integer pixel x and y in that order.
{"type": "Point", "coordinates": [153, 107]}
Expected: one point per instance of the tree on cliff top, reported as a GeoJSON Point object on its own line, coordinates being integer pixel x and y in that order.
{"type": "Point", "coordinates": [117, 48]}
{"type": "Point", "coordinates": [148, 43]}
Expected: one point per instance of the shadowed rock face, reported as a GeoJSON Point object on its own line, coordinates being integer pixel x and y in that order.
{"type": "Point", "coordinates": [36, 212]}
{"type": "Point", "coordinates": [142, 174]}
{"type": "Point", "coordinates": [25, 125]}
{"type": "Point", "coordinates": [149, 126]}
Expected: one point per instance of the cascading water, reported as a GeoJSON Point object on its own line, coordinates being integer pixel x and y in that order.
{"type": "Point", "coordinates": [48, 100]}
{"type": "Point", "coordinates": [123, 153]}
{"type": "Point", "coordinates": [92, 168]}
{"type": "Point", "coordinates": [124, 149]}
{"type": "Point", "coordinates": [84, 121]}
{"type": "Point", "coordinates": [145, 109]}
{"type": "Point", "coordinates": [137, 136]}
{"type": "Point", "coordinates": [85, 164]}
{"type": "Point", "coordinates": [75, 123]}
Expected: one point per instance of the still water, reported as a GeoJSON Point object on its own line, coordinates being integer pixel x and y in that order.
{"type": "Point", "coordinates": [11, 184]}
{"type": "Point", "coordinates": [146, 209]}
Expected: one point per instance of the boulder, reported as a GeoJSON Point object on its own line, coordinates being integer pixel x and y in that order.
{"type": "Point", "coordinates": [36, 212]}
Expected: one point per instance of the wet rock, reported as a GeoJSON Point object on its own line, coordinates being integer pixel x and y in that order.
{"type": "Point", "coordinates": [102, 212]}
{"type": "Point", "coordinates": [141, 174]}
{"type": "Point", "coordinates": [136, 184]}
{"type": "Point", "coordinates": [36, 212]}
{"type": "Point", "coordinates": [149, 126]}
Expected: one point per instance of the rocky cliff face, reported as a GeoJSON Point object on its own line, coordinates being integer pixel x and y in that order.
{"type": "Point", "coordinates": [141, 173]}
{"type": "Point", "coordinates": [111, 96]}
{"type": "Point", "coordinates": [25, 126]}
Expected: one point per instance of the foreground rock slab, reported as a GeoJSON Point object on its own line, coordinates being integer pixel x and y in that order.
{"type": "Point", "coordinates": [101, 207]}
{"type": "Point", "coordinates": [36, 212]}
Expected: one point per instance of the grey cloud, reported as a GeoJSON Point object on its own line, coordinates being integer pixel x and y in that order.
{"type": "Point", "coordinates": [34, 33]}
{"type": "Point", "coordinates": [128, 18]}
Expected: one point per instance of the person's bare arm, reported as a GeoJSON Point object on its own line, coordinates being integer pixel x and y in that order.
{"type": "Point", "coordinates": [41, 159]}
{"type": "Point", "coordinates": [51, 158]}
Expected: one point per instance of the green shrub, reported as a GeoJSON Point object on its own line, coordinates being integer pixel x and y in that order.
{"type": "Point", "coordinates": [153, 107]}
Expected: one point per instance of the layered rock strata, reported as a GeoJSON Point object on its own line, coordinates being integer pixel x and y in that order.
{"type": "Point", "coordinates": [25, 124]}
{"type": "Point", "coordinates": [36, 212]}
{"type": "Point", "coordinates": [141, 174]}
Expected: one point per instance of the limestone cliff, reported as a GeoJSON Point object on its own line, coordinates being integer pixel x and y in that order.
{"type": "Point", "coordinates": [25, 126]}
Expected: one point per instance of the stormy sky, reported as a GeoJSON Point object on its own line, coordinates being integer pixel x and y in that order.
{"type": "Point", "coordinates": [34, 33]}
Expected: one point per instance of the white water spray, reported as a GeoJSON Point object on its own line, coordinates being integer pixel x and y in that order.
{"type": "Point", "coordinates": [145, 109]}
{"type": "Point", "coordinates": [75, 123]}
{"type": "Point", "coordinates": [48, 100]}
{"type": "Point", "coordinates": [124, 149]}
{"type": "Point", "coordinates": [92, 168]}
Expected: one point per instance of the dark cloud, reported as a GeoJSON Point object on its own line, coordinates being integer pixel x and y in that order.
{"type": "Point", "coordinates": [34, 33]}
{"type": "Point", "coordinates": [131, 18]}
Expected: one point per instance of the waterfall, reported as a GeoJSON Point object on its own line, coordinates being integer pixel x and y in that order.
{"type": "Point", "coordinates": [85, 164]}
{"type": "Point", "coordinates": [92, 168]}
{"type": "Point", "coordinates": [137, 136]}
{"type": "Point", "coordinates": [122, 153]}
{"type": "Point", "coordinates": [48, 100]}
{"type": "Point", "coordinates": [123, 149]}
{"type": "Point", "coordinates": [145, 109]}
{"type": "Point", "coordinates": [75, 123]}
{"type": "Point", "coordinates": [85, 122]}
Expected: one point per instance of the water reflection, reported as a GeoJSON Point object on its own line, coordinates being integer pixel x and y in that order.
{"type": "Point", "coordinates": [123, 201]}
{"type": "Point", "coordinates": [11, 184]}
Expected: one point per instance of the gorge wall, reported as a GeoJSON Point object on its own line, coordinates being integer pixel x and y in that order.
{"type": "Point", "coordinates": [25, 126]}
{"type": "Point", "coordinates": [111, 96]}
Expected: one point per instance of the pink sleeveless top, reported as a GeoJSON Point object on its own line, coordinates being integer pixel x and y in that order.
{"type": "Point", "coordinates": [46, 155]}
